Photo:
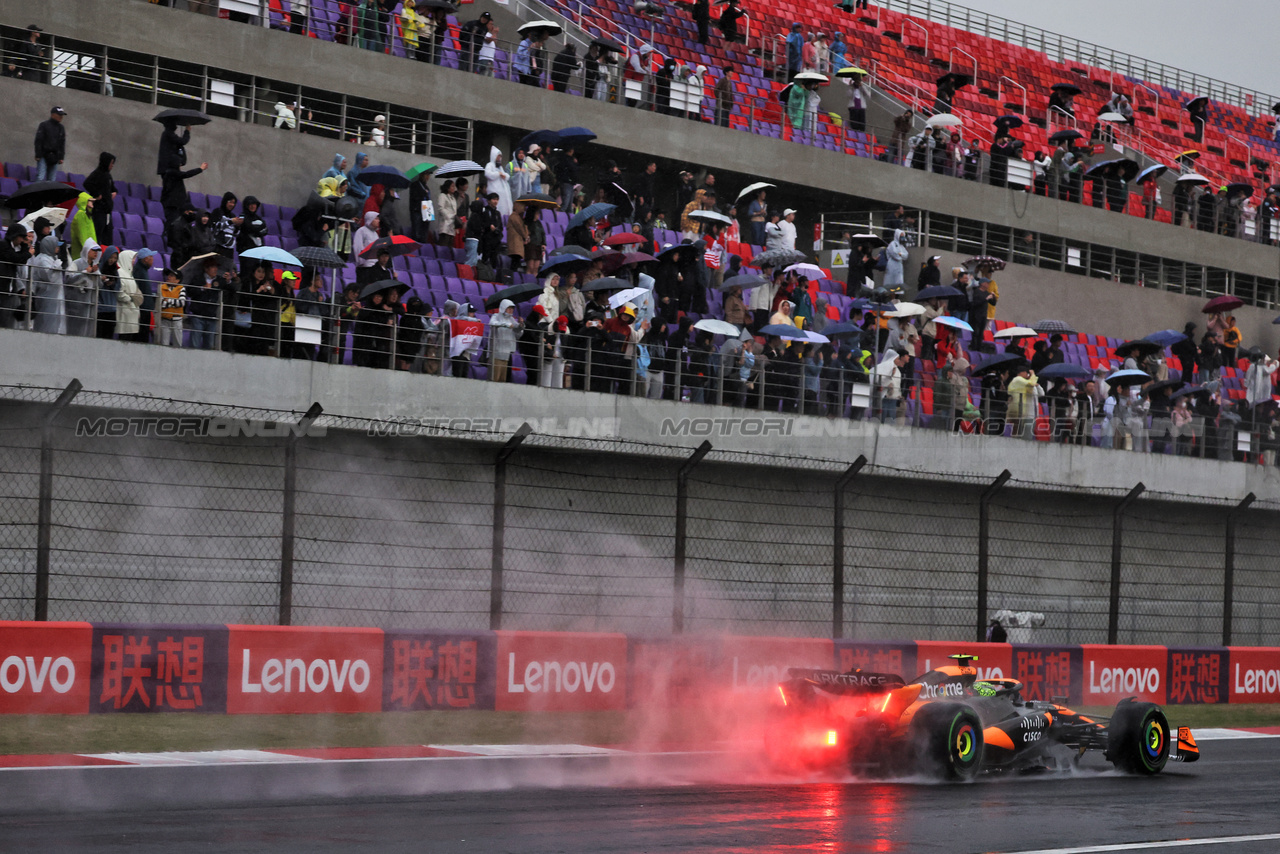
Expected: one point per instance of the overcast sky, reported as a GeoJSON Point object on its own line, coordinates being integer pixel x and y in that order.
{"type": "Point", "coordinates": [1190, 34]}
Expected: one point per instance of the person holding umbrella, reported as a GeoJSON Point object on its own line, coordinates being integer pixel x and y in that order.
{"type": "Point", "coordinates": [371, 334]}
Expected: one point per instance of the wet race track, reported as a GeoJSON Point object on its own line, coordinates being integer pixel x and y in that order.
{"type": "Point", "coordinates": [1229, 795]}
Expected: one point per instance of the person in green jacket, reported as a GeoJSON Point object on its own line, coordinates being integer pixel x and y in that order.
{"type": "Point", "coordinates": [82, 229]}
{"type": "Point", "coordinates": [797, 100]}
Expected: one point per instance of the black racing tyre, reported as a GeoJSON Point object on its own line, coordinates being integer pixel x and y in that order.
{"type": "Point", "coordinates": [1138, 738]}
{"type": "Point", "coordinates": [947, 738]}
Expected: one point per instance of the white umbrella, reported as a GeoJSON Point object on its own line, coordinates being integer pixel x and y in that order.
{"type": "Point", "coordinates": [717, 327]}
{"type": "Point", "coordinates": [905, 309]}
{"type": "Point", "coordinates": [814, 337]}
{"type": "Point", "coordinates": [752, 189]}
{"type": "Point", "coordinates": [811, 75]}
{"type": "Point", "coordinates": [1111, 117]}
{"type": "Point", "coordinates": [459, 167]}
{"type": "Point", "coordinates": [56, 217]}
{"type": "Point", "coordinates": [623, 297]}
{"type": "Point", "coordinates": [555, 28]}
{"type": "Point", "coordinates": [809, 271]}
{"type": "Point", "coordinates": [1017, 332]}
{"type": "Point", "coordinates": [1192, 177]}
{"type": "Point", "coordinates": [944, 120]}
{"type": "Point", "coordinates": [954, 322]}
{"type": "Point", "coordinates": [711, 216]}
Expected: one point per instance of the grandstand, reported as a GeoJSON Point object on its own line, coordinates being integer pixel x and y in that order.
{"type": "Point", "coordinates": [914, 48]}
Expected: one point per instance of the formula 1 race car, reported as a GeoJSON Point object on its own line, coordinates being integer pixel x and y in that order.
{"type": "Point", "coordinates": [950, 724]}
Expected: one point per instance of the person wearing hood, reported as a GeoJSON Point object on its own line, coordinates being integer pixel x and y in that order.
{"type": "Point", "coordinates": [82, 225]}
{"type": "Point", "coordinates": [15, 252]}
{"type": "Point", "coordinates": [504, 332]}
{"type": "Point", "coordinates": [108, 291]}
{"type": "Point", "coordinates": [287, 115]}
{"type": "Point", "coordinates": [795, 51]}
{"type": "Point", "coordinates": [48, 309]}
{"type": "Point", "coordinates": [360, 241]}
{"type": "Point", "coordinates": [488, 221]}
{"type": "Point", "coordinates": [140, 268]}
{"type": "Point", "coordinates": [783, 316]}
{"type": "Point", "coordinates": [497, 180]}
{"type": "Point", "coordinates": [203, 236]}
{"type": "Point", "coordinates": [129, 300]}
{"type": "Point", "coordinates": [836, 52]}
{"type": "Point", "coordinates": [172, 159]}
{"type": "Point", "coordinates": [887, 383]}
{"type": "Point", "coordinates": [930, 274]}
{"type": "Point", "coordinates": [895, 255]}
{"type": "Point", "coordinates": [662, 87]}
{"type": "Point", "coordinates": [356, 188]}
{"type": "Point", "coordinates": [252, 227]}
{"type": "Point", "coordinates": [226, 226]}
{"type": "Point", "coordinates": [563, 66]}
{"type": "Point", "coordinates": [80, 293]}
{"type": "Point", "coordinates": [100, 185]}
{"type": "Point", "coordinates": [338, 170]}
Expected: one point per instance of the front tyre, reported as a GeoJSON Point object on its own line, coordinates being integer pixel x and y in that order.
{"type": "Point", "coordinates": [948, 741]}
{"type": "Point", "coordinates": [1138, 738]}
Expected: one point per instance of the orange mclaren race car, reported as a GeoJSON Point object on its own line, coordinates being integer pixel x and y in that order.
{"type": "Point", "coordinates": [950, 724]}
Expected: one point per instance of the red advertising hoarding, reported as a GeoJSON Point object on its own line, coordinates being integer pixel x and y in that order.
{"type": "Point", "coordinates": [1112, 673]}
{"type": "Point", "coordinates": [561, 672]}
{"type": "Point", "coordinates": [44, 668]}
{"type": "Point", "coordinates": [288, 670]}
{"type": "Point", "coordinates": [1254, 675]}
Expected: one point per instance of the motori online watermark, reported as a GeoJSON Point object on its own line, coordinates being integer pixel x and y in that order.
{"type": "Point", "coordinates": [192, 426]}
{"type": "Point", "coordinates": [572, 426]}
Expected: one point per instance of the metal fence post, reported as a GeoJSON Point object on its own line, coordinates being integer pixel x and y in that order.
{"type": "Point", "coordinates": [288, 518]}
{"type": "Point", "coordinates": [499, 523]}
{"type": "Point", "coordinates": [44, 518]}
{"type": "Point", "coordinates": [984, 550]}
{"type": "Point", "coordinates": [682, 515]}
{"type": "Point", "coordinates": [837, 554]}
{"type": "Point", "coordinates": [1229, 566]}
{"type": "Point", "coordinates": [1117, 543]}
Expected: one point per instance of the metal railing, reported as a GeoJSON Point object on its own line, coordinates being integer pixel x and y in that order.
{"type": "Point", "coordinates": [1037, 249]}
{"type": "Point", "coordinates": [318, 110]}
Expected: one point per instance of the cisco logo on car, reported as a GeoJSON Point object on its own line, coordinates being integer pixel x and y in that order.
{"type": "Point", "coordinates": [555, 677]}
{"type": "Point", "coordinates": [1127, 679]}
{"type": "Point", "coordinates": [297, 675]}
{"type": "Point", "coordinates": [58, 673]}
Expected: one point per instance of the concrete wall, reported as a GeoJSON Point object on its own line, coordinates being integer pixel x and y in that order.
{"type": "Point", "coordinates": [280, 56]}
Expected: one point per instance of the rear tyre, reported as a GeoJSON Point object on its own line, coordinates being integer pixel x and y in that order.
{"type": "Point", "coordinates": [948, 741]}
{"type": "Point", "coordinates": [1138, 738]}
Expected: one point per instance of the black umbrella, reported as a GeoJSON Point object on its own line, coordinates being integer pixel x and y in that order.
{"type": "Point", "coordinates": [436, 4]}
{"type": "Point", "coordinates": [939, 292]}
{"type": "Point", "coordinates": [42, 194]}
{"type": "Point", "coordinates": [1066, 135]}
{"type": "Point", "coordinates": [224, 263]}
{"type": "Point", "coordinates": [1161, 386]}
{"type": "Point", "coordinates": [544, 138]}
{"type": "Point", "coordinates": [538, 200]}
{"type": "Point", "coordinates": [319, 256]}
{"type": "Point", "coordinates": [607, 283]}
{"type": "Point", "coordinates": [1139, 347]}
{"type": "Point", "coordinates": [1196, 103]}
{"type": "Point", "coordinates": [1053, 327]}
{"type": "Point", "coordinates": [182, 117]}
{"type": "Point", "coordinates": [743, 281]}
{"type": "Point", "coordinates": [956, 78]}
{"type": "Point", "coordinates": [564, 264]}
{"type": "Point", "coordinates": [608, 44]}
{"type": "Point", "coordinates": [575, 135]}
{"type": "Point", "coordinates": [1239, 188]}
{"type": "Point", "coordinates": [388, 176]}
{"type": "Point", "coordinates": [999, 361]}
{"type": "Point", "coordinates": [1066, 88]}
{"type": "Point", "coordinates": [1009, 121]}
{"type": "Point", "coordinates": [515, 293]}
{"type": "Point", "coordinates": [570, 249]}
{"type": "Point", "coordinates": [380, 286]}
{"type": "Point", "coordinates": [1191, 389]}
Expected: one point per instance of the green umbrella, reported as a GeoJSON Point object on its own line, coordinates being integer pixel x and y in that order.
{"type": "Point", "coordinates": [417, 171]}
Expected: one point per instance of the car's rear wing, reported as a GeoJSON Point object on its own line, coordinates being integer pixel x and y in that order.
{"type": "Point", "coordinates": [852, 682]}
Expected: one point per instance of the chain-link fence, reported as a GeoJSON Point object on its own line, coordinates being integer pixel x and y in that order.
{"type": "Point", "coordinates": [262, 524]}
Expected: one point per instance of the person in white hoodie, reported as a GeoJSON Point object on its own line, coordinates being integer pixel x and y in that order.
{"type": "Point", "coordinates": [498, 180]}
{"type": "Point", "coordinates": [82, 291]}
{"type": "Point", "coordinates": [504, 331]}
{"type": "Point", "coordinates": [129, 300]}
{"type": "Point", "coordinates": [887, 383]}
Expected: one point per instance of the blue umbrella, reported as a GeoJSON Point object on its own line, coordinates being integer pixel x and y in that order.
{"type": "Point", "coordinates": [782, 330]}
{"type": "Point", "coordinates": [1166, 337]}
{"type": "Point", "coordinates": [864, 304]}
{"type": "Point", "coordinates": [544, 138]}
{"type": "Point", "coordinates": [575, 135]}
{"type": "Point", "coordinates": [1131, 376]}
{"type": "Point", "coordinates": [938, 292]}
{"type": "Point", "coordinates": [595, 211]}
{"type": "Point", "coordinates": [388, 176]}
{"type": "Point", "coordinates": [841, 330]}
{"type": "Point", "coordinates": [953, 322]}
{"type": "Point", "coordinates": [1066, 371]}
{"type": "Point", "coordinates": [1151, 172]}
{"type": "Point", "coordinates": [557, 262]}
{"type": "Point", "coordinates": [273, 254]}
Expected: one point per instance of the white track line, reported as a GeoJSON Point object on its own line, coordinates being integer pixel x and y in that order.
{"type": "Point", "coordinates": [1218, 734]}
{"type": "Point", "coordinates": [1150, 846]}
